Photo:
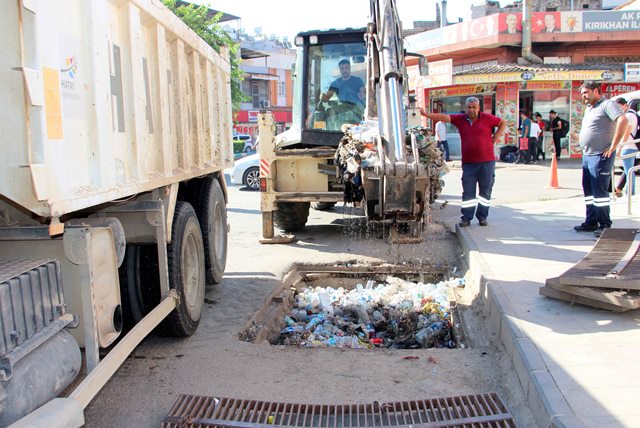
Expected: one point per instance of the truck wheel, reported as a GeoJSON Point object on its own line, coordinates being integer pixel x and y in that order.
{"type": "Point", "coordinates": [291, 216]}
{"type": "Point", "coordinates": [186, 272]}
{"type": "Point", "coordinates": [139, 283]}
{"type": "Point", "coordinates": [212, 213]}
{"type": "Point", "coordinates": [323, 206]}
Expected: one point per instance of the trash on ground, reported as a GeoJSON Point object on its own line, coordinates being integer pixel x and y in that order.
{"type": "Point", "coordinates": [396, 314]}
{"type": "Point", "coordinates": [358, 150]}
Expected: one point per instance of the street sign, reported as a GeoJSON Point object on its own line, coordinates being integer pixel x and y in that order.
{"type": "Point", "coordinates": [632, 72]}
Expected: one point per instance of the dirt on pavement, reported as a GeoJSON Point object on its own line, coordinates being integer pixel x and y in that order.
{"type": "Point", "coordinates": [215, 362]}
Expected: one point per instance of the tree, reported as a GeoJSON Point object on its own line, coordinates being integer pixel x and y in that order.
{"type": "Point", "coordinates": [215, 36]}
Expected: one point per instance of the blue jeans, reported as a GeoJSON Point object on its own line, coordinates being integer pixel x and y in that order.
{"type": "Point", "coordinates": [444, 148]}
{"type": "Point", "coordinates": [481, 175]}
{"type": "Point", "coordinates": [628, 164]}
{"type": "Point", "coordinates": [596, 178]}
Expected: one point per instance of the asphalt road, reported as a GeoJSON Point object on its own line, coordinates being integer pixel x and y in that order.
{"type": "Point", "coordinates": [215, 362]}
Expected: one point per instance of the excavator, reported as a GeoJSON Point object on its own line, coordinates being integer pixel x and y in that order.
{"type": "Point", "coordinates": [298, 168]}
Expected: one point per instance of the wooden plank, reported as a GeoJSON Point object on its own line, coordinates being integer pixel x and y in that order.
{"type": "Point", "coordinates": [628, 257]}
{"type": "Point", "coordinates": [571, 298]}
{"type": "Point", "coordinates": [600, 281]}
{"type": "Point", "coordinates": [615, 250]}
{"type": "Point", "coordinates": [629, 300]}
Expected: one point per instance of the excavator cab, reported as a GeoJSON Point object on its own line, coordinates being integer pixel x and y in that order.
{"type": "Point", "coordinates": [329, 87]}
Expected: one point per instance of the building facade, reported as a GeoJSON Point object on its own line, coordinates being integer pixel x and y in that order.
{"type": "Point", "coordinates": [266, 65]}
{"type": "Point", "coordinates": [484, 58]}
{"type": "Point", "coordinates": [491, 7]}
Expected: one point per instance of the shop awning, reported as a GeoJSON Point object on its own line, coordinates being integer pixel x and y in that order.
{"type": "Point", "coordinates": [261, 76]}
{"type": "Point", "coordinates": [536, 72]}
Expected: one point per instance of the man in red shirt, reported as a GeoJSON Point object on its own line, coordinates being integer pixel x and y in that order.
{"type": "Point", "coordinates": [478, 159]}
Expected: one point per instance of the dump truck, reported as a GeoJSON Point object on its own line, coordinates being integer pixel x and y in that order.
{"type": "Point", "coordinates": [297, 167]}
{"type": "Point", "coordinates": [116, 129]}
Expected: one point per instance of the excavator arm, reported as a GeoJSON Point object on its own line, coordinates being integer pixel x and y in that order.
{"type": "Point", "coordinates": [396, 188]}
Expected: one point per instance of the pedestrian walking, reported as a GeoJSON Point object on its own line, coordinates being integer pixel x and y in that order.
{"type": "Point", "coordinates": [542, 125]}
{"type": "Point", "coordinates": [441, 138]}
{"type": "Point", "coordinates": [556, 127]}
{"type": "Point", "coordinates": [523, 141]}
{"type": "Point", "coordinates": [534, 146]}
{"type": "Point", "coordinates": [627, 147]}
{"type": "Point", "coordinates": [604, 126]}
{"type": "Point", "coordinates": [477, 140]}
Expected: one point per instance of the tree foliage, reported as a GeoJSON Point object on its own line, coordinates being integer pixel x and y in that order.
{"type": "Point", "coordinates": [215, 36]}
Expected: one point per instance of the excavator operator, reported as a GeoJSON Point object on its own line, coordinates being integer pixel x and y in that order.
{"type": "Point", "coordinates": [350, 89]}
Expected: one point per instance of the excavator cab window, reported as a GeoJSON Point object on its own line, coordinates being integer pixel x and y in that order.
{"type": "Point", "coordinates": [336, 74]}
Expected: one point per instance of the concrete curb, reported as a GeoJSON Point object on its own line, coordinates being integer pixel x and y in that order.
{"type": "Point", "coordinates": [545, 400]}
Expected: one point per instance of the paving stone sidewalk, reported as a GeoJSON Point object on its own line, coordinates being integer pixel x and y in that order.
{"type": "Point", "coordinates": [577, 365]}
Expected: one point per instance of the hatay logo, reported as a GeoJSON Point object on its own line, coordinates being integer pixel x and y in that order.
{"type": "Point", "coordinates": [68, 78]}
{"type": "Point", "coordinates": [71, 66]}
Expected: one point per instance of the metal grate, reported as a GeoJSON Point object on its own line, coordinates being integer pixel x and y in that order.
{"type": "Point", "coordinates": [469, 411]}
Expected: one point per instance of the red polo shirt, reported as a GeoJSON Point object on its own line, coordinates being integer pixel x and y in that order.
{"type": "Point", "coordinates": [476, 139]}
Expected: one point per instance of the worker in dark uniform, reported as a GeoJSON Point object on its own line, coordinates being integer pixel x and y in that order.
{"type": "Point", "coordinates": [478, 158]}
{"type": "Point", "coordinates": [604, 126]}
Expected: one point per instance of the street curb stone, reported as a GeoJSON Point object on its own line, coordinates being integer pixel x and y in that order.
{"type": "Point", "coordinates": [546, 402]}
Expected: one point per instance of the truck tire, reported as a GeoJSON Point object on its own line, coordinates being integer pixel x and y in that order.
{"type": "Point", "coordinates": [291, 216]}
{"type": "Point", "coordinates": [323, 206]}
{"type": "Point", "coordinates": [139, 283]}
{"type": "Point", "coordinates": [211, 209]}
{"type": "Point", "coordinates": [186, 263]}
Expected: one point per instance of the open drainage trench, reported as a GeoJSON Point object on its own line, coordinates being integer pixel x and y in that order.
{"type": "Point", "coordinates": [394, 307]}
{"type": "Point", "coordinates": [388, 308]}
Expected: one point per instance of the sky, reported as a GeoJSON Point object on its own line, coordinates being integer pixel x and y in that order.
{"type": "Point", "coordinates": [289, 17]}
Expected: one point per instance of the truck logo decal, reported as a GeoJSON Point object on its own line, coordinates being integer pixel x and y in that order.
{"type": "Point", "coordinates": [71, 67]}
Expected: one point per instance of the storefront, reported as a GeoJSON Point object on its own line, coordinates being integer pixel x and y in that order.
{"type": "Point", "coordinates": [452, 100]}
{"type": "Point", "coordinates": [246, 121]}
{"type": "Point", "coordinates": [533, 89]}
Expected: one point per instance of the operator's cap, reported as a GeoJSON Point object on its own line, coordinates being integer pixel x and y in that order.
{"type": "Point", "coordinates": [552, 111]}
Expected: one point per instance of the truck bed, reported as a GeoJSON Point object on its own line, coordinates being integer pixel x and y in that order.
{"type": "Point", "coordinates": [104, 99]}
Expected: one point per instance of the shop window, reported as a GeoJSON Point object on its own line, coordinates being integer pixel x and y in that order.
{"type": "Point", "coordinates": [255, 94]}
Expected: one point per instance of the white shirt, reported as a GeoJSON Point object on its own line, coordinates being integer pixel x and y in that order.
{"type": "Point", "coordinates": [441, 131]}
{"type": "Point", "coordinates": [534, 130]}
{"type": "Point", "coordinates": [633, 125]}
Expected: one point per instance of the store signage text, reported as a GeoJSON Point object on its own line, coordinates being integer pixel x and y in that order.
{"type": "Point", "coordinates": [540, 75]}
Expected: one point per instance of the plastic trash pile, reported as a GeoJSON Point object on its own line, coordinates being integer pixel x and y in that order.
{"type": "Point", "coordinates": [396, 314]}
{"type": "Point", "coordinates": [358, 150]}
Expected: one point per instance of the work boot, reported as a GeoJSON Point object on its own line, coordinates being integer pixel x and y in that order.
{"type": "Point", "coordinates": [585, 227]}
{"type": "Point", "coordinates": [464, 222]}
{"type": "Point", "coordinates": [483, 222]}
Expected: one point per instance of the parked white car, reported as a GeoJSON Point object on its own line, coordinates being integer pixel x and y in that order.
{"type": "Point", "coordinates": [246, 171]}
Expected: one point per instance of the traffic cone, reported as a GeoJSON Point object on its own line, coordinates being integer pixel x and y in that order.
{"type": "Point", "coordinates": [553, 179]}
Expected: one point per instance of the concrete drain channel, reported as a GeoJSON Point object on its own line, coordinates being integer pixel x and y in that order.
{"type": "Point", "coordinates": [360, 306]}
{"type": "Point", "coordinates": [303, 312]}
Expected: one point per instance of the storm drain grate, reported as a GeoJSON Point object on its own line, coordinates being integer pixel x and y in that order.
{"type": "Point", "coordinates": [469, 411]}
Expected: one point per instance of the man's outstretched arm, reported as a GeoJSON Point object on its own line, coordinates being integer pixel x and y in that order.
{"type": "Point", "coordinates": [436, 116]}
